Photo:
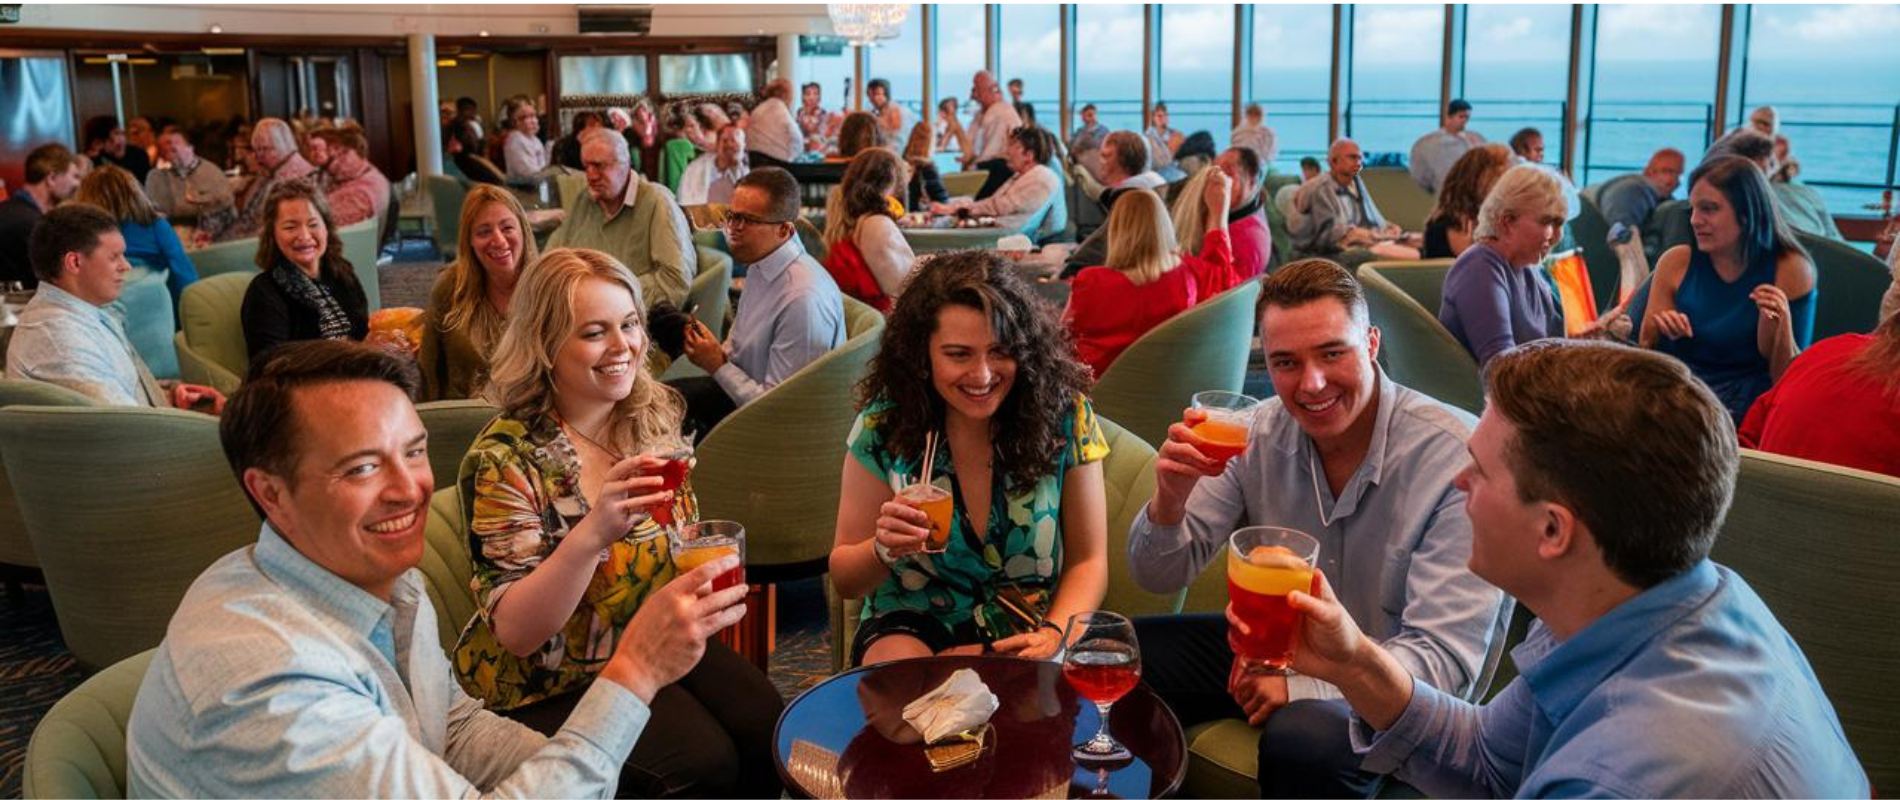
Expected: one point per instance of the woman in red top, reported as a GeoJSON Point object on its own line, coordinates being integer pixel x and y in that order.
{"type": "Point", "coordinates": [1148, 279]}
{"type": "Point", "coordinates": [1838, 402]}
{"type": "Point", "coordinates": [865, 252]}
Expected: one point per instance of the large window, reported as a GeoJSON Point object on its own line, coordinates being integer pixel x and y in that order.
{"type": "Point", "coordinates": [1833, 75]}
{"type": "Point", "coordinates": [1655, 85]}
{"type": "Point", "coordinates": [1396, 60]}
{"type": "Point", "coordinates": [1197, 68]}
{"type": "Point", "coordinates": [1108, 63]}
{"type": "Point", "coordinates": [901, 61]}
{"type": "Point", "coordinates": [960, 53]}
{"type": "Point", "coordinates": [625, 74]}
{"type": "Point", "coordinates": [1517, 70]}
{"type": "Point", "coordinates": [827, 61]}
{"type": "Point", "coordinates": [1292, 77]}
{"type": "Point", "coordinates": [1032, 52]}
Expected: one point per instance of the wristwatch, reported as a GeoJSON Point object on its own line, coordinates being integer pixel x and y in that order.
{"type": "Point", "coordinates": [882, 552]}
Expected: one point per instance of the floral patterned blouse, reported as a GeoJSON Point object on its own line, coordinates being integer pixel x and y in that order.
{"type": "Point", "coordinates": [1023, 546]}
{"type": "Point", "coordinates": [521, 494]}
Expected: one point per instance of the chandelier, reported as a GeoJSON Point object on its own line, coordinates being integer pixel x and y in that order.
{"type": "Point", "coordinates": [864, 24]}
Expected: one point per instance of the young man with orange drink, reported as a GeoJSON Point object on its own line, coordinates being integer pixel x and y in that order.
{"type": "Point", "coordinates": [1362, 465]}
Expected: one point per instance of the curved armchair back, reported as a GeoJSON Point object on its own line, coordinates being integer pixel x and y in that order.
{"type": "Point", "coordinates": [712, 289]}
{"type": "Point", "coordinates": [1851, 284]}
{"type": "Point", "coordinates": [1204, 347]}
{"type": "Point", "coordinates": [210, 340]}
{"type": "Point", "coordinates": [1415, 348]}
{"type": "Point", "coordinates": [15, 548]}
{"type": "Point", "coordinates": [78, 748]}
{"type": "Point", "coordinates": [159, 505]}
{"type": "Point", "coordinates": [452, 426]}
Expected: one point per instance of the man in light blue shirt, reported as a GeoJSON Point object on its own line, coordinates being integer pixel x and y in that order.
{"type": "Point", "coordinates": [1362, 464]}
{"type": "Point", "coordinates": [1434, 153]}
{"type": "Point", "coordinates": [308, 665]}
{"type": "Point", "coordinates": [1599, 477]}
{"type": "Point", "coordinates": [790, 313]}
{"type": "Point", "coordinates": [71, 334]}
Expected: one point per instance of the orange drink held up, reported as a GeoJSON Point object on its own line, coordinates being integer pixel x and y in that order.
{"type": "Point", "coordinates": [1226, 419]}
{"type": "Point", "coordinates": [1263, 566]}
{"type": "Point", "coordinates": [936, 503]}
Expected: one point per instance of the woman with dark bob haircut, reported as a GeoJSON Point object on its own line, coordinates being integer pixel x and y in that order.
{"type": "Point", "coordinates": [1737, 303]}
{"type": "Point", "coordinates": [974, 361]}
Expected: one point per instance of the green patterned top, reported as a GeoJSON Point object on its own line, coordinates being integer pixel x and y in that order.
{"type": "Point", "coordinates": [521, 494]}
{"type": "Point", "coordinates": [1023, 546]}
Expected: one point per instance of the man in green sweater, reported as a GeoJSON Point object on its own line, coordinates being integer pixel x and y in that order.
{"type": "Point", "coordinates": [631, 219]}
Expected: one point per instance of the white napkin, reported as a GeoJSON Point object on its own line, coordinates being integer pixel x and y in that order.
{"type": "Point", "coordinates": [1015, 242]}
{"type": "Point", "coordinates": [963, 702]}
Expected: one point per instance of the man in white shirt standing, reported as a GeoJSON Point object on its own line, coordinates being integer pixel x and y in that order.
{"type": "Point", "coordinates": [774, 133]}
{"type": "Point", "coordinates": [307, 665]}
{"type": "Point", "coordinates": [791, 314]}
{"type": "Point", "coordinates": [1435, 152]}
{"type": "Point", "coordinates": [989, 132]}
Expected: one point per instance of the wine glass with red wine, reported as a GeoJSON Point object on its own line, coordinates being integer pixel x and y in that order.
{"type": "Point", "coordinates": [1102, 661]}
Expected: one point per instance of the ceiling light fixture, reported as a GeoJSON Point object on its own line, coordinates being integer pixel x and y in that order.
{"type": "Point", "coordinates": [866, 24]}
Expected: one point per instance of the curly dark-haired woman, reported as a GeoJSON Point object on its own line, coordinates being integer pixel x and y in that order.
{"type": "Point", "coordinates": [971, 355]}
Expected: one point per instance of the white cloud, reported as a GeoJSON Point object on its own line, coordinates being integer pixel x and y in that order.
{"type": "Point", "coordinates": [1397, 34]}
{"type": "Point", "coordinates": [1658, 32]}
{"type": "Point", "coordinates": [1830, 26]}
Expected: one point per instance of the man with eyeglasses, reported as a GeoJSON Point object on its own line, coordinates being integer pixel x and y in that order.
{"type": "Point", "coordinates": [791, 313]}
{"type": "Point", "coordinates": [631, 219]}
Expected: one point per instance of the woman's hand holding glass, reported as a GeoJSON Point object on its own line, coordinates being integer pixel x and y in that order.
{"type": "Point", "coordinates": [902, 529]}
{"type": "Point", "coordinates": [633, 486]}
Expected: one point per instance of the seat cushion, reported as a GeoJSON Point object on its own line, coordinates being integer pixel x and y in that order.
{"type": "Point", "coordinates": [1223, 759]}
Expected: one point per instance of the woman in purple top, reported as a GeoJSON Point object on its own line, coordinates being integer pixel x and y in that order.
{"type": "Point", "coordinates": [1494, 298]}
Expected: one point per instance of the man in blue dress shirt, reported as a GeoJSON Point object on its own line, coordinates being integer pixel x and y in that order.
{"type": "Point", "coordinates": [1599, 477]}
{"type": "Point", "coordinates": [308, 664]}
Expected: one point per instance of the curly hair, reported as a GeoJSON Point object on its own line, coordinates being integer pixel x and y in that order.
{"type": "Point", "coordinates": [1467, 183]}
{"type": "Point", "coordinates": [1028, 431]}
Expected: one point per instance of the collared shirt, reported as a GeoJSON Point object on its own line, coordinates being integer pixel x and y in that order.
{"type": "Point", "coordinates": [1628, 199]}
{"type": "Point", "coordinates": [168, 187]}
{"type": "Point", "coordinates": [774, 132]}
{"type": "Point", "coordinates": [647, 233]}
{"type": "Point", "coordinates": [704, 182]}
{"type": "Point", "coordinates": [1259, 139]}
{"type": "Point", "coordinates": [1435, 152]}
{"type": "Point", "coordinates": [1690, 689]}
{"type": "Point", "coordinates": [277, 678]}
{"type": "Point", "coordinates": [363, 196]}
{"type": "Point", "coordinates": [989, 131]}
{"type": "Point", "coordinates": [1394, 542]}
{"type": "Point", "coordinates": [67, 341]}
{"type": "Point", "coordinates": [1325, 212]}
{"type": "Point", "coordinates": [791, 314]}
{"type": "Point", "coordinates": [1023, 204]}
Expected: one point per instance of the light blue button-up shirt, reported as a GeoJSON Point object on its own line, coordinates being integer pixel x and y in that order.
{"type": "Point", "coordinates": [277, 678]}
{"type": "Point", "coordinates": [1394, 542]}
{"type": "Point", "coordinates": [1690, 689]}
{"type": "Point", "coordinates": [67, 341]}
{"type": "Point", "coordinates": [790, 314]}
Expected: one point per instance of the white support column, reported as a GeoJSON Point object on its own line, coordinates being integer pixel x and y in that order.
{"type": "Point", "coordinates": [788, 59]}
{"type": "Point", "coordinates": [422, 108]}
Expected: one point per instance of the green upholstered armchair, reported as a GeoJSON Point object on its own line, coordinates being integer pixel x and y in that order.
{"type": "Point", "coordinates": [1128, 474]}
{"type": "Point", "coordinates": [448, 566]}
{"type": "Point", "coordinates": [15, 549]}
{"type": "Point", "coordinates": [1851, 284]}
{"type": "Point", "coordinates": [125, 507]}
{"type": "Point", "coordinates": [1422, 280]}
{"type": "Point", "coordinates": [1399, 198]}
{"type": "Point", "coordinates": [712, 289]}
{"type": "Point", "coordinates": [1204, 347]}
{"type": "Point", "coordinates": [362, 243]}
{"type": "Point", "coordinates": [78, 748]}
{"type": "Point", "coordinates": [772, 464]}
{"type": "Point", "coordinates": [1818, 543]}
{"type": "Point", "coordinates": [237, 255]}
{"type": "Point", "coordinates": [149, 322]}
{"type": "Point", "coordinates": [1592, 233]}
{"type": "Point", "coordinates": [1415, 348]}
{"type": "Point", "coordinates": [210, 340]}
{"type": "Point", "coordinates": [445, 201]}
{"type": "Point", "coordinates": [452, 426]}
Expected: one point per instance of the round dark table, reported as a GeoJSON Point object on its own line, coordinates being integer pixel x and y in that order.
{"type": "Point", "coordinates": [847, 737]}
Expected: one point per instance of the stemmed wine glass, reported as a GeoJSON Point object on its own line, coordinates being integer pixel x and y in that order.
{"type": "Point", "coordinates": [1102, 661]}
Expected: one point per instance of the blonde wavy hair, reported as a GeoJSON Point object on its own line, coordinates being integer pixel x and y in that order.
{"type": "Point", "coordinates": [468, 290]}
{"type": "Point", "coordinates": [1141, 242]}
{"type": "Point", "coordinates": [1523, 191]}
{"type": "Point", "coordinates": [1190, 213]}
{"type": "Point", "coordinates": [521, 375]}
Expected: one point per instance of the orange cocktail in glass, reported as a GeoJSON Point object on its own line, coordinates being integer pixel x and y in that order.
{"type": "Point", "coordinates": [706, 541]}
{"type": "Point", "coordinates": [1226, 419]}
{"type": "Point", "coordinates": [1264, 564]}
{"type": "Point", "coordinates": [936, 503]}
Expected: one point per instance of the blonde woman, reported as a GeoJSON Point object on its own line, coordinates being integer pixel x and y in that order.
{"type": "Point", "coordinates": [1494, 298]}
{"type": "Point", "coordinates": [557, 491]}
{"type": "Point", "coordinates": [1149, 277]}
{"type": "Point", "coordinates": [865, 252]}
{"type": "Point", "coordinates": [468, 306]}
{"type": "Point", "coordinates": [149, 239]}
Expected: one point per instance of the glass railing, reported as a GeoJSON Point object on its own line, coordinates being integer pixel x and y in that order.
{"type": "Point", "coordinates": [1847, 151]}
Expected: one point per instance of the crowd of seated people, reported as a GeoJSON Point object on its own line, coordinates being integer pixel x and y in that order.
{"type": "Point", "coordinates": [590, 666]}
